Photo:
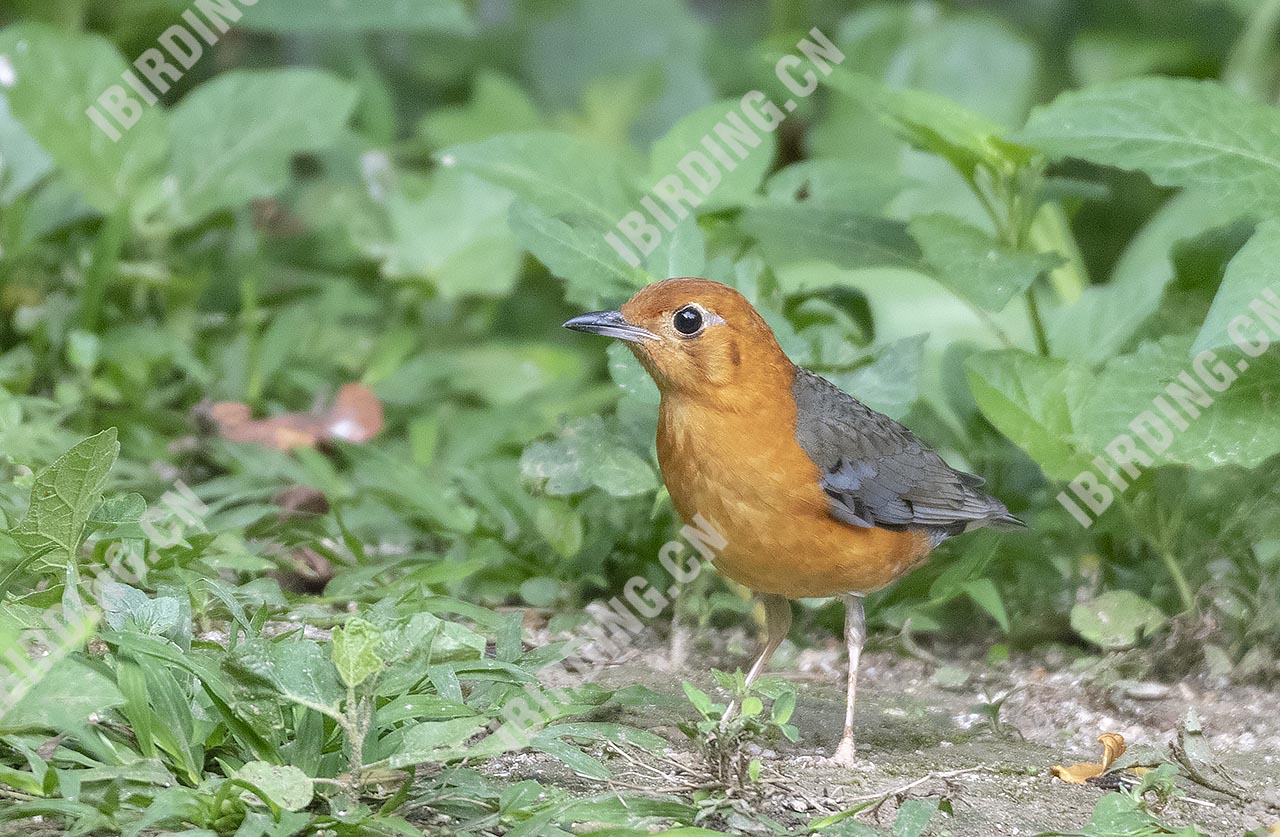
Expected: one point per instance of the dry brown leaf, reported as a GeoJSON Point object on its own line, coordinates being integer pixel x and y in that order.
{"type": "Point", "coordinates": [356, 416]}
{"type": "Point", "coordinates": [1078, 774]}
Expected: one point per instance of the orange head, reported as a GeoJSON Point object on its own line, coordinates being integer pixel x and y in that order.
{"type": "Point", "coordinates": [697, 338]}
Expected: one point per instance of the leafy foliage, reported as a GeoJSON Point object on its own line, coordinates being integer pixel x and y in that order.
{"type": "Point", "coordinates": [1013, 237]}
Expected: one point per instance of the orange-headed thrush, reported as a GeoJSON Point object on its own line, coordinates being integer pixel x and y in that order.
{"type": "Point", "coordinates": [816, 493]}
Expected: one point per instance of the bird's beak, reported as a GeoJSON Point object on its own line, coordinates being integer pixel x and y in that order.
{"type": "Point", "coordinates": [610, 324]}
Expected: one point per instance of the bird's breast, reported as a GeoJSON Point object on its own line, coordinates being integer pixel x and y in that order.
{"type": "Point", "coordinates": [745, 472]}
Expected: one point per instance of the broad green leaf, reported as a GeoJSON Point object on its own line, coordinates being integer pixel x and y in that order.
{"type": "Point", "coordinates": [913, 817]}
{"type": "Point", "coordinates": [1179, 132]}
{"type": "Point", "coordinates": [62, 700]}
{"type": "Point", "coordinates": [442, 640]}
{"type": "Point", "coordinates": [355, 651]}
{"type": "Point", "coordinates": [971, 263]}
{"type": "Point", "coordinates": [852, 185]}
{"type": "Point", "coordinates": [1028, 398]}
{"type": "Point", "coordinates": [561, 525]}
{"type": "Point", "coordinates": [127, 608]}
{"type": "Point", "coordinates": [1106, 317]}
{"type": "Point", "coordinates": [977, 60]}
{"type": "Point", "coordinates": [1116, 619]}
{"type": "Point", "coordinates": [498, 106]}
{"type": "Point", "coordinates": [792, 232]}
{"type": "Point", "coordinates": [337, 17]}
{"type": "Point", "coordinates": [58, 76]}
{"type": "Point", "coordinates": [586, 455]}
{"type": "Point", "coordinates": [1251, 272]}
{"type": "Point", "coordinates": [451, 230]}
{"type": "Point", "coordinates": [594, 271]}
{"type": "Point", "coordinates": [435, 741]}
{"type": "Point", "coordinates": [557, 173]}
{"type": "Point", "coordinates": [1235, 429]}
{"type": "Point", "coordinates": [985, 595]}
{"type": "Point", "coordinates": [298, 669]}
{"type": "Point", "coordinates": [680, 153]}
{"type": "Point", "coordinates": [63, 497]}
{"type": "Point", "coordinates": [1106, 56]}
{"type": "Point", "coordinates": [642, 64]}
{"type": "Point", "coordinates": [934, 123]}
{"type": "Point", "coordinates": [234, 136]}
{"type": "Point", "coordinates": [890, 383]}
{"type": "Point", "coordinates": [288, 787]}
{"type": "Point", "coordinates": [23, 163]}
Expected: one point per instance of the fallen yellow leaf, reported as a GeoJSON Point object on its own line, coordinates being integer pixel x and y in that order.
{"type": "Point", "coordinates": [1112, 747]}
{"type": "Point", "coordinates": [1077, 774]}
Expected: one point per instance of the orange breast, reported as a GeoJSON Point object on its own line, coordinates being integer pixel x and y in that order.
{"type": "Point", "coordinates": [745, 472]}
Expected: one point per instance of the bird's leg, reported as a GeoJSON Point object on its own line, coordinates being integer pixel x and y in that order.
{"type": "Point", "coordinates": [855, 634]}
{"type": "Point", "coordinates": [777, 620]}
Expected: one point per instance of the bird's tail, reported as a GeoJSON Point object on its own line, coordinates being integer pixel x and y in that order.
{"type": "Point", "coordinates": [1005, 520]}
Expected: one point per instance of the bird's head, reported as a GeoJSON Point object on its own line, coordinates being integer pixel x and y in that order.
{"type": "Point", "coordinates": [695, 337]}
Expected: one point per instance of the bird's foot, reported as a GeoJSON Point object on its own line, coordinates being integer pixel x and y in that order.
{"type": "Point", "coordinates": [845, 755]}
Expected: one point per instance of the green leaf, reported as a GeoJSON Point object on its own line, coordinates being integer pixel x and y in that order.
{"type": "Point", "coordinates": [442, 640]}
{"type": "Point", "coordinates": [561, 525]}
{"type": "Point", "coordinates": [914, 817]}
{"type": "Point", "coordinates": [700, 700]}
{"type": "Point", "coordinates": [62, 700]}
{"type": "Point", "coordinates": [435, 741]}
{"type": "Point", "coordinates": [23, 163]}
{"type": "Point", "coordinates": [1235, 429]}
{"type": "Point", "coordinates": [935, 124]}
{"type": "Point", "coordinates": [1107, 56]}
{"type": "Point", "coordinates": [1106, 317]}
{"type": "Point", "coordinates": [450, 229]}
{"type": "Point", "coordinates": [355, 651]}
{"type": "Point", "coordinates": [580, 255]}
{"type": "Point", "coordinates": [498, 105]}
{"type": "Point", "coordinates": [974, 265]}
{"type": "Point", "coordinates": [287, 786]}
{"type": "Point", "coordinates": [890, 383]}
{"type": "Point", "coordinates": [337, 17]}
{"type": "Point", "coordinates": [59, 74]}
{"type": "Point", "coordinates": [238, 133]}
{"type": "Point", "coordinates": [556, 173]}
{"type": "Point", "coordinates": [1116, 619]}
{"type": "Point", "coordinates": [299, 670]}
{"type": "Point", "coordinates": [587, 454]}
{"type": "Point", "coordinates": [1249, 273]}
{"type": "Point", "coordinates": [680, 153]}
{"type": "Point", "coordinates": [1028, 399]}
{"type": "Point", "coordinates": [985, 595]}
{"type": "Point", "coordinates": [1179, 132]}
{"type": "Point", "coordinates": [636, 68]}
{"type": "Point", "coordinates": [63, 497]}
{"type": "Point", "coordinates": [800, 232]}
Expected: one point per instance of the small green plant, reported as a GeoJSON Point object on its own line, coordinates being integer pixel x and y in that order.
{"type": "Point", "coordinates": [723, 731]}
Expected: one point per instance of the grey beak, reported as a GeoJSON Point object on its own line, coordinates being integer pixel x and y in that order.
{"type": "Point", "coordinates": [610, 324]}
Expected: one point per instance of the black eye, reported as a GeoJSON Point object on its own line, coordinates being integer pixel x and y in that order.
{"type": "Point", "coordinates": [688, 320]}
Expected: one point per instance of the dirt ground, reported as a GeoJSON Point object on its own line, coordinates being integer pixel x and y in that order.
{"type": "Point", "coordinates": [914, 723]}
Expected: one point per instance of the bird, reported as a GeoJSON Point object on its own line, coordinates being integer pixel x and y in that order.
{"type": "Point", "coordinates": [815, 493]}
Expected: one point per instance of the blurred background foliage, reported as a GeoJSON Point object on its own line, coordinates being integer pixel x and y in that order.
{"type": "Point", "coordinates": [421, 207]}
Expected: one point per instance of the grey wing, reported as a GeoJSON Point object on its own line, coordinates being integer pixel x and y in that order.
{"type": "Point", "coordinates": [877, 473]}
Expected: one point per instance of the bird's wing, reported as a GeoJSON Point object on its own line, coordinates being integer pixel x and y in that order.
{"type": "Point", "coordinates": [877, 473]}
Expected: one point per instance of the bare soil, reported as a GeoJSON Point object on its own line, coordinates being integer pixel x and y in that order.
{"type": "Point", "coordinates": [929, 732]}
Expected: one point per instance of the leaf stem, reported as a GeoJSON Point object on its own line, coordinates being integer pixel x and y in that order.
{"type": "Point", "coordinates": [106, 256]}
{"type": "Point", "coordinates": [1179, 578]}
{"type": "Point", "coordinates": [1037, 322]}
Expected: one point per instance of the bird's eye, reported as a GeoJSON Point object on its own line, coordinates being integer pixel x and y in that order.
{"type": "Point", "coordinates": [688, 321]}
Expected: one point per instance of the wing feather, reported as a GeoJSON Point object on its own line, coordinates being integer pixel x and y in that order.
{"type": "Point", "coordinates": [877, 473]}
